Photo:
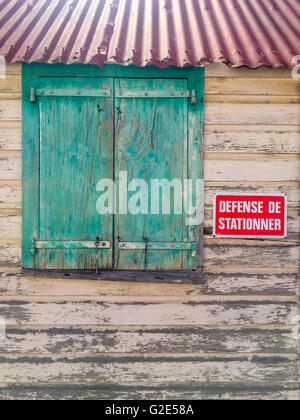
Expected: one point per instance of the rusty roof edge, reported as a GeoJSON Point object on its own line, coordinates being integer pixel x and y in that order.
{"type": "Point", "coordinates": [179, 34]}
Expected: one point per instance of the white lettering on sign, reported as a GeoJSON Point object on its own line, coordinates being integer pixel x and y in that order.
{"type": "Point", "coordinates": [241, 207]}
{"type": "Point", "coordinates": [249, 224]}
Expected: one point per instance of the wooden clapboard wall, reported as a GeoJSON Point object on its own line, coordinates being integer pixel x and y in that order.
{"type": "Point", "coordinates": [231, 338]}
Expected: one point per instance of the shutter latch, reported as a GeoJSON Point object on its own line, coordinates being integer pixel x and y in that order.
{"type": "Point", "coordinates": [193, 97]}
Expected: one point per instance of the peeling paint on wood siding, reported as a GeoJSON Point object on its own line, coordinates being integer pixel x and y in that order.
{"type": "Point", "coordinates": [141, 393]}
{"type": "Point", "coordinates": [233, 282]}
{"type": "Point", "coordinates": [137, 312]}
{"type": "Point", "coordinates": [146, 370]}
{"type": "Point", "coordinates": [145, 340]}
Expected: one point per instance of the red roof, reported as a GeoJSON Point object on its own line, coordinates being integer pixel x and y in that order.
{"type": "Point", "coordinates": [182, 33]}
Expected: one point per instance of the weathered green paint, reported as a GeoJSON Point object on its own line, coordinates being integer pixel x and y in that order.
{"type": "Point", "coordinates": [84, 123]}
{"type": "Point", "coordinates": [134, 92]}
{"type": "Point", "coordinates": [158, 245]}
{"type": "Point", "coordinates": [151, 138]}
{"type": "Point", "coordinates": [72, 244]}
{"type": "Point", "coordinates": [76, 151]}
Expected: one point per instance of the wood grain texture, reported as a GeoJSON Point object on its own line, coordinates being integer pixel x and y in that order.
{"type": "Point", "coordinates": [10, 252]}
{"type": "Point", "coordinates": [252, 86]}
{"type": "Point", "coordinates": [10, 87]}
{"type": "Point", "coordinates": [251, 253]}
{"type": "Point", "coordinates": [222, 70]}
{"type": "Point", "coordinates": [152, 340]}
{"type": "Point", "coordinates": [11, 223]}
{"type": "Point", "coordinates": [14, 69]}
{"type": "Point", "coordinates": [76, 151]}
{"type": "Point", "coordinates": [217, 167]}
{"type": "Point", "coordinates": [10, 110]}
{"type": "Point", "coordinates": [291, 188]}
{"type": "Point", "coordinates": [151, 142]}
{"type": "Point", "coordinates": [250, 167]}
{"type": "Point", "coordinates": [261, 114]}
{"type": "Point", "coordinates": [224, 392]}
{"type": "Point", "coordinates": [217, 253]}
{"type": "Point", "coordinates": [10, 136]}
{"type": "Point", "coordinates": [249, 99]}
{"type": "Point", "coordinates": [10, 165]}
{"type": "Point", "coordinates": [232, 282]}
{"type": "Point", "coordinates": [10, 194]}
{"type": "Point", "coordinates": [251, 139]}
{"type": "Point", "coordinates": [192, 311]}
{"type": "Point", "coordinates": [11, 191]}
{"type": "Point", "coordinates": [145, 371]}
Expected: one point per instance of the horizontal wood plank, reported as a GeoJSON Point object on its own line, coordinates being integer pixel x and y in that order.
{"type": "Point", "coordinates": [10, 194]}
{"type": "Point", "coordinates": [221, 283]}
{"type": "Point", "coordinates": [218, 253]}
{"type": "Point", "coordinates": [11, 84]}
{"type": "Point", "coordinates": [13, 68]}
{"type": "Point", "coordinates": [99, 311]}
{"type": "Point", "coordinates": [249, 139]}
{"type": "Point", "coordinates": [261, 114]}
{"type": "Point", "coordinates": [10, 136]}
{"type": "Point", "coordinates": [146, 371]}
{"type": "Point", "coordinates": [244, 99]}
{"type": "Point", "coordinates": [161, 340]}
{"type": "Point", "coordinates": [222, 70]}
{"type": "Point", "coordinates": [217, 167]}
{"type": "Point", "coordinates": [11, 191]}
{"type": "Point", "coordinates": [251, 253]}
{"type": "Point", "coordinates": [252, 86]}
{"type": "Point", "coordinates": [247, 167]}
{"type": "Point", "coordinates": [82, 393]}
{"type": "Point", "coordinates": [10, 110]}
{"type": "Point", "coordinates": [10, 252]}
{"type": "Point", "coordinates": [11, 223]}
{"type": "Point", "coordinates": [291, 188]}
{"type": "Point", "coordinates": [10, 165]}
{"type": "Point", "coordinates": [214, 113]}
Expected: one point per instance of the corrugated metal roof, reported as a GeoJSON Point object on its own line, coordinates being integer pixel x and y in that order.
{"type": "Point", "coordinates": [182, 33]}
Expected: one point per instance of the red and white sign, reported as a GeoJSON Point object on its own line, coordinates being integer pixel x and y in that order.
{"type": "Point", "coordinates": [250, 216]}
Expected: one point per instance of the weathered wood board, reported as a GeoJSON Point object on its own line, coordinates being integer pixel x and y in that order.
{"type": "Point", "coordinates": [232, 253]}
{"type": "Point", "coordinates": [260, 167]}
{"type": "Point", "coordinates": [11, 191]}
{"type": "Point", "coordinates": [140, 340]}
{"type": "Point", "coordinates": [139, 393]}
{"type": "Point", "coordinates": [283, 282]}
{"type": "Point", "coordinates": [158, 311]}
{"type": "Point", "coordinates": [141, 371]}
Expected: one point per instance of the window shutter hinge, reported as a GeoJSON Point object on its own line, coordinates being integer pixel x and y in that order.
{"type": "Point", "coordinates": [33, 247]}
{"type": "Point", "coordinates": [32, 95]}
{"type": "Point", "coordinates": [193, 97]}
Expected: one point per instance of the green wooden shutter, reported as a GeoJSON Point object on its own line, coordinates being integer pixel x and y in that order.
{"type": "Point", "coordinates": [82, 124]}
{"type": "Point", "coordinates": [152, 143]}
{"type": "Point", "coordinates": [76, 150]}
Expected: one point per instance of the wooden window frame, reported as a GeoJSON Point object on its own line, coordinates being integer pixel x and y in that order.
{"type": "Point", "coordinates": [32, 74]}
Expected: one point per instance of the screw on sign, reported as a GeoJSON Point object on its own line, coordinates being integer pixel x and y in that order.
{"type": "Point", "coordinates": [250, 216]}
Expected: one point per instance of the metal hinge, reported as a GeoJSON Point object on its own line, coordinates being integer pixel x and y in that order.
{"type": "Point", "coordinates": [98, 244]}
{"type": "Point", "coordinates": [32, 95]}
{"type": "Point", "coordinates": [97, 93]}
{"type": "Point", "coordinates": [193, 97]}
